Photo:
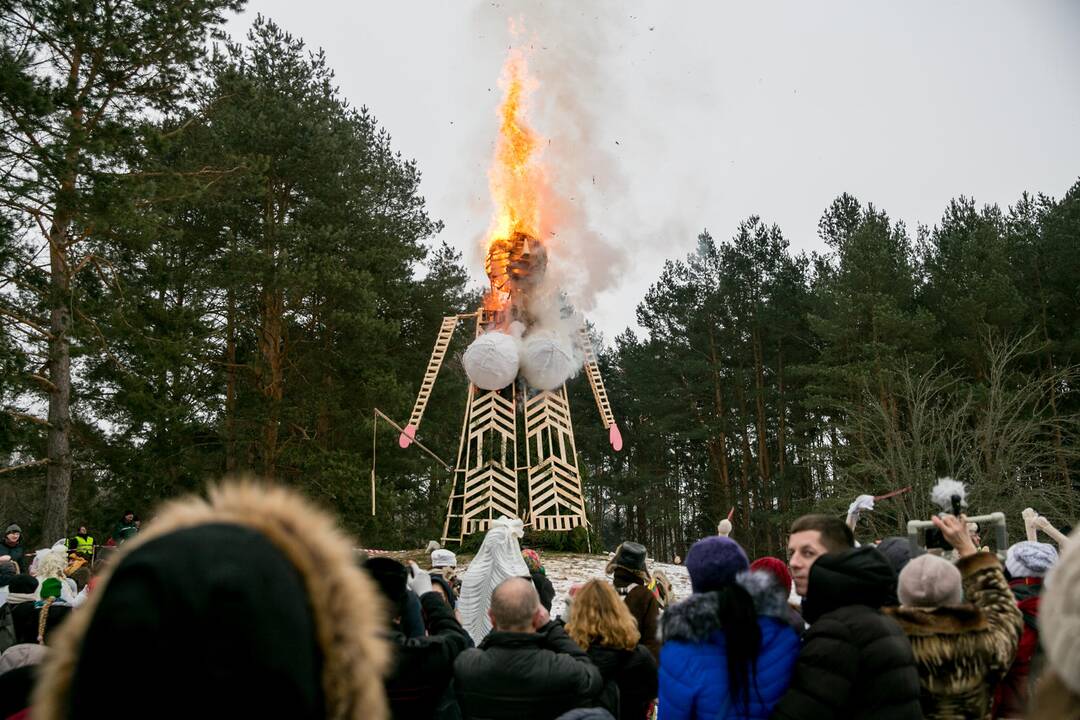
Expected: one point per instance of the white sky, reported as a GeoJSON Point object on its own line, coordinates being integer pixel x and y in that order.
{"type": "Point", "coordinates": [720, 110]}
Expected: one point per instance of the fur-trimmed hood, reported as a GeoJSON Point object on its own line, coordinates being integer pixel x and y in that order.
{"type": "Point", "coordinates": [338, 603]}
{"type": "Point", "coordinates": [695, 618]}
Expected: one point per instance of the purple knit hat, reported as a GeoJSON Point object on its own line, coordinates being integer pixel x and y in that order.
{"type": "Point", "coordinates": [714, 562]}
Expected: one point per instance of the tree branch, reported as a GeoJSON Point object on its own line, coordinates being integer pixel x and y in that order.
{"type": "Point", "coordinates": [13, 468]}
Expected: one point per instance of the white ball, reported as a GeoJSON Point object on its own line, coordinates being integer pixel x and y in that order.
{"type": "Point", "coordinates": [547, 361]}
{"type": "Point", "coordinates": [491, 361]}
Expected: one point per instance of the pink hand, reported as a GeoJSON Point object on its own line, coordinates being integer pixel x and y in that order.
{"type": "Point", "coordinates": [615, 437]}
{"type": "Point", "coordinates": [405, 439]}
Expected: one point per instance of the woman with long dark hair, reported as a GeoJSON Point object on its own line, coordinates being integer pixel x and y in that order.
{"type": "Point", "coordinates": [728, 649]}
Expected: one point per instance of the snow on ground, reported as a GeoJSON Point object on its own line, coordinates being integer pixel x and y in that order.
{"type": "Point", "coordinates": [564, 570]}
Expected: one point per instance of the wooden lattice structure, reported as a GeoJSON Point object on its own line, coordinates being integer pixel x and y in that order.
{"type": "Point", "coordinates": [489, 466]}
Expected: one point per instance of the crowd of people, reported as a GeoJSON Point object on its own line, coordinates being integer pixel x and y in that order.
{"type": "Point", "coordinates": [253, 603]}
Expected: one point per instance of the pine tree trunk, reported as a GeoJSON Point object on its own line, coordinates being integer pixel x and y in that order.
{"type": "Point", "coordinates": [271, 346]}
{"type": "Point", "coordinates": [720, 453]}
{"type": "Point", "coordinates": [58, 474]}
{"type": "Point", "coordinates": [231, 462]}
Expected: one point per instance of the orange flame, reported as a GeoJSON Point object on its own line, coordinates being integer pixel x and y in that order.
{"type": "Point", "coordinates": [517, 182]}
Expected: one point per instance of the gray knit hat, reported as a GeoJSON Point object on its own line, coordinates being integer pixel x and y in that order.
{"type": "Point", "coordinates": [1030, 559]}
{"type": "Point", "coordinates": [1059, 615]}
{"type": "Point", "coordinates": [930, 581]}
{"type": "Point", "coordinates": [13, 528]}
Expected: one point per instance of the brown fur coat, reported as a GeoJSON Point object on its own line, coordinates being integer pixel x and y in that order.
{"type": "Point", "coordinates": [962, 651]}
{"type": "Point", "coordinates": [346, 607]}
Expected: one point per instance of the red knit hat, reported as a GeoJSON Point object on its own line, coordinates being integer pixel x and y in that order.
{"type": "Point", "coordinates": [775, 567]}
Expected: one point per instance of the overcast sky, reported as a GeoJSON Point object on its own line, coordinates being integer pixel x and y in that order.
{"type": "Point", "coordinates": [668, 118]}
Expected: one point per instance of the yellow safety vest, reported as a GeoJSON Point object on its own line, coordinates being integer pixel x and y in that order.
{"type": "Point", "coordinates": [84, 546]}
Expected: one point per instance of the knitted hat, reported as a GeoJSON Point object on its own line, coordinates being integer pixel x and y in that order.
{"type": "Point", "coordinates": [898, 551]}
{"type": "Point", "coordinates": [443, 558]}
{"type": "Point", "coordinates": [930, 581]}
{"type": "Point", "coordinates": [532, 560]}
{"type": "Point", "coordinates": [13, 528]}
{"type": "Point", "coordinates": [23, 583]}
{"type": "Point", "coordinates": [51, 588]}
{"type": "Point", "coordinates": [390, 576]}
{"type": "Point", "coordinates": [1059, 616]}
{"type": "Point", "coordinates": [1030, 559]}
{"type": "Point", "coordinates": [776, 568]}
{"type": "Point", "coordinates": [714, 562]}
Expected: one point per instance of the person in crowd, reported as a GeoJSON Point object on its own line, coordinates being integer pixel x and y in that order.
{"type": "Point", "coordinates": [855, 662]}
{"type": "Point", "coordinates": [498, 558]}
{"type": "Point", "coordinates": [419, 683]}
{"type": "Point", "coordinates": [811, 537]}
{"type": "Point", "coordinates": [631, 579]}
{"type": "Point", "coordinates": [1028, 563]}
{"type": "Point", "coordinates": [1057, 694]}
{"type": "Point", "coordinates": [544, 588]}
{"type": "Point", "coordinates": [222, 608]}
{"type": "Point", "coordinates": [82, 544]}
{"type": "Point", "coordinates": [22, 588]}
{"type": "Point", "coordinates": [779, 571]}
{"type": "Point", "coordinates": [53, 563]}
{"type": "Point", "coordinates": [125, 529]}
{"type": "Point", "coordinates": [444, 564]}
{"type": "Point", "coordinates": [527, 667]}
{"type": "Point", "coordinates": [604, 627]}
{"type": "Point", "coordinates": [18, 673]}
{"type": "Point", "coordinates": [35, 621]}
{"type": "Point", "coordinates": [8, 572]}
{"type": "Point", "coordinates": [898, 551]}
{"type": "Point", "coordinates": [13, 546]}
{"type": "Point", "coordinates": [728, 649]}
{"type": "Point", "coordinates": [442, 586]}
{"type": "Point", "coordinates": [962, 649]}
{"type": "Point", "coordinates": [661, 587]}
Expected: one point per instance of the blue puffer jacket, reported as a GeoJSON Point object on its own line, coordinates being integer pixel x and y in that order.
{"type": "Point", "coordinates": [693, 660]}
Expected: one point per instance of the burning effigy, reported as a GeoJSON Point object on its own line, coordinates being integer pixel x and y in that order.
{"type": "Point", "coordinates": [529, 341]}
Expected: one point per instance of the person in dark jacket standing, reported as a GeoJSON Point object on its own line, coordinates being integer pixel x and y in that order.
{"type": "Point", "coordinates": [13, 546]}
{"type": "Point", "coordinates": [527, 667]}
{"type": "Point", "coordinates": [544, 588]}
{"type": "Point", "coordinates": [423, 667]}
{"type": "Point", "coordinates": [604, 627]}
{"type": "Point", "coordinates": [855, 662]}
{"type": "Point", "coordinates": [631, 579]}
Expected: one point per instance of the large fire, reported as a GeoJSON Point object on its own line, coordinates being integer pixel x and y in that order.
{"type": "Point", "coordinates": [518, 184]}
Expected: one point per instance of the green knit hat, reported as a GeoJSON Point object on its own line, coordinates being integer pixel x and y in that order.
{"type": "Point", "coordinates": [51, 588]}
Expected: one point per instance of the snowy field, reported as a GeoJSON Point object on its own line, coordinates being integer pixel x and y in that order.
{"type": "Point", "coordinates": [564, 570]}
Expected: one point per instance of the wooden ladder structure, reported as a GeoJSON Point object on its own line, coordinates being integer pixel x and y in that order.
{"type": "Point", "coordinates": [438, 354]}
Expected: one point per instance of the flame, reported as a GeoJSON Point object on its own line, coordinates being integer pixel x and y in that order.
{"type": "Point", "coordinates": [517, 181]}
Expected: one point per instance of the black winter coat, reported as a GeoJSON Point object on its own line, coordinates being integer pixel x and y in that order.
{"type": "Point", "coordinates": [424, 666]}
{"type": "Point", "coordinates": [525, 676]}
{"type": "Point", "coordinates": [17, 553]}
{"type": "Point", "coordinates": [855, 662]}
{"type": "Point", "coordinates": [630, 682]}
{"type": "Point", "coordinates": [544, 588]}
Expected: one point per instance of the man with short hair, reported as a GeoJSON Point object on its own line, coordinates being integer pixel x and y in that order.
{"type": "Point", "coordinates": [855, 662]}
{"type": "Point", "coordinates": [527, 667]}
{"type": "Point", "coordinates": [811, 537]}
